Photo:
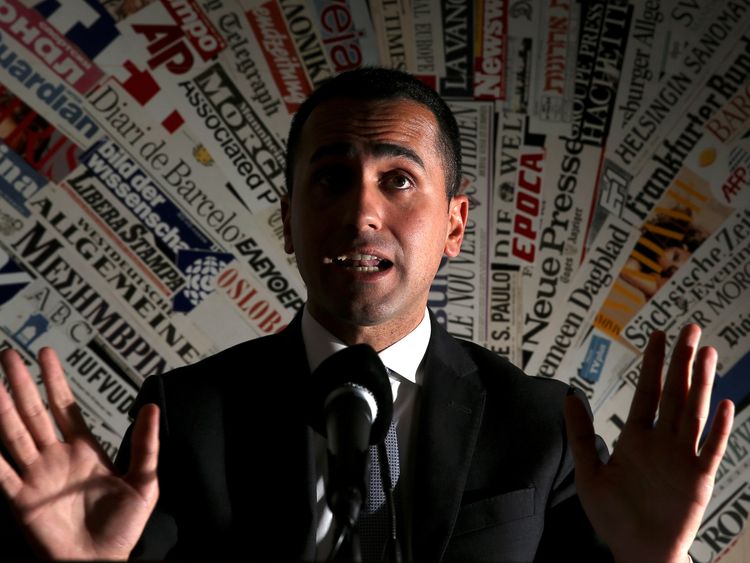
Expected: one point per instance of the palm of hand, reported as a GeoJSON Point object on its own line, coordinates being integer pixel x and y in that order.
{"type": "Point", "coordinates": [650, 483]}
{"type": "Point", "coordinates": [70, 483]}
{"type": "Point", "coordinates": [66, 493]}
{"type": "Point", "coordinates": [647, 502]}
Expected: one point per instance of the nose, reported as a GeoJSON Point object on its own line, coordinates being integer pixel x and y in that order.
{"type": "Point", "coordinates": [363, 206]}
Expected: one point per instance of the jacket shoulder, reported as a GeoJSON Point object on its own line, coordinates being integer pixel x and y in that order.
{"type": "Point", "coordinates": [232, 371]}
{"type": "Point", "coordinates": [498, 374]}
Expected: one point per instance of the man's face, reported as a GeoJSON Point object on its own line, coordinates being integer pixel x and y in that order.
{"type": "Point", "coordinates": [369, 219]}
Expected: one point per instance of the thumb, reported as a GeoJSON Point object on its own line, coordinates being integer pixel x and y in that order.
{"type": "Point", "coordinates": [145, 453]}
{"type": "Point", "coordinates": [581, 437]}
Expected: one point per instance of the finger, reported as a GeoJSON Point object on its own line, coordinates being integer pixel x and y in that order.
{"type": "Point", "coordinates": [696, 411]}
{"type": "Point", "coordinates": [677, 382]}
{"type": "Point", "coordinates": [13, 431]}
{"type": "Point", "coordinates": [29, 404]}
{"type": "Point", "coordinates": [581, 437]}
{"type": "Point", "coordinates": [10, 482]}
{"type": "Point", "coordinates": [61, 400]}
{"type": "Point", "coordinates": [716, 442]}
{"type": "Point", "coordinates": [144, 457]}
{"type": "Point", "coordinates": [647, 392]}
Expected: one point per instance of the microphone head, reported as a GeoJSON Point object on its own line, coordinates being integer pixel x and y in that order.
{"type": "Point", "coordinates": [359, 365]}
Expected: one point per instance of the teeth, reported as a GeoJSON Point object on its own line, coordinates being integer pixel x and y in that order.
{"type": "Point", "coordinates": [358, 257]}
{"type": "Point", "coordinates": [359, 262]}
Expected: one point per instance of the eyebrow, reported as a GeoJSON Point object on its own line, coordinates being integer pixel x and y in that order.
{"type": "Point", "coordinates": [379, 150]}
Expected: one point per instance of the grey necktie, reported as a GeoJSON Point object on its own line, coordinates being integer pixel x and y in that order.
{"type": "Point", "coordinates": [374, 522]}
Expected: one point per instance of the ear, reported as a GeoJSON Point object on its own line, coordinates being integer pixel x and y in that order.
{"type": "Point", "coordinates": [458, 214]}
{"type": "Point", "coordinates": [286, 219]}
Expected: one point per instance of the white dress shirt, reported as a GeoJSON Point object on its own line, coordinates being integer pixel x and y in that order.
{"type": "Point", "coordinates": [403, 359]}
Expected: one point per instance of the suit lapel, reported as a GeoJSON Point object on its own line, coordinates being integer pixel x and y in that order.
{"type": "Point", "coordinates": [452, 402]}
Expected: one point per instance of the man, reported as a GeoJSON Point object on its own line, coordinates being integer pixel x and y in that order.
{"type": "Point", "coordinates": [487, 460]}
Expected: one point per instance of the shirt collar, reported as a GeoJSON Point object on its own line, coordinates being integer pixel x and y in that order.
{"type": "Point", "coordinates": [402, 357]}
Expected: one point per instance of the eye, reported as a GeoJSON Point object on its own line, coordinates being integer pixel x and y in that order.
{"type": "Point", "coordinates": [397, 181]}
{"type": "Point", "coordinates": [333, 178]}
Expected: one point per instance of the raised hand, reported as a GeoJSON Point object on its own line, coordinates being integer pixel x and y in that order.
{"type": "Point", "coordinates": [67, 494]}
{"type": "Point", "coordinates": [648, 501]}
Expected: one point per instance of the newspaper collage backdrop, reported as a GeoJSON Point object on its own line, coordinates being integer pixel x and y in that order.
{"type": "Point", "coordinates": [606, 152]}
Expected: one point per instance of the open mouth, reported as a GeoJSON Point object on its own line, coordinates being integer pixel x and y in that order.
{"type": "Point", "coordinates": [360, 262]}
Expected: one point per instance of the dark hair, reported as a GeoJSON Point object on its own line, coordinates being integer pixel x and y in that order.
{"type": "Point", "coordinates": [375, 83]}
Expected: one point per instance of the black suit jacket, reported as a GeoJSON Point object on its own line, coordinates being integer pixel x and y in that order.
{"type": "Point", "coordinates": [494, 476]}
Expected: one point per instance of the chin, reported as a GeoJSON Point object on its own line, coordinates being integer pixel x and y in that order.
{"type": "Point", "coordinates": [363, 318]}
{"type": "Point", "coordinates": [367, 314]}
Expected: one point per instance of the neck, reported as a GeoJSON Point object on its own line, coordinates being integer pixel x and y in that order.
{"type": "Point", "coordinates": [379, 336]}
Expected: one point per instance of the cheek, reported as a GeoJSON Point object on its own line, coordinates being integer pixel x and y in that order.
{"type": "Point", "coordinates": [304, 240]}
{"type": "Point", "coordinates": [426, 241]}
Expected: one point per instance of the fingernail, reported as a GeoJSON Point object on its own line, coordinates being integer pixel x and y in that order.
{"type": "Point", "coordinates": [692, 335]}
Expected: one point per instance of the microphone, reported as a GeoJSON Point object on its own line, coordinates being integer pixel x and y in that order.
{"type": "Point", "coordinates": [352, 407]}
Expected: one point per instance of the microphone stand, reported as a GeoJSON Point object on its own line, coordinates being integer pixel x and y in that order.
{"type": "Point", "coordinates": [352, 407]}
{"type": "Point", "coordinates": [346, 535]}
{"type": "Point", "coordinates": [346, 505]}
